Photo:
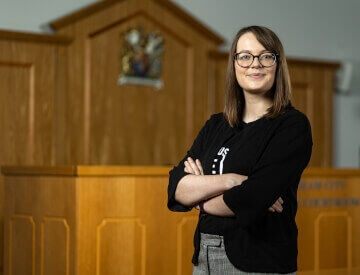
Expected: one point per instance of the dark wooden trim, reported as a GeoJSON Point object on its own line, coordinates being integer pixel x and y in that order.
{"type": "Point", "coordinates": [123, 170]}
{"type": "Point", "coordinates": [34, 37]}
{"type": "Point", "coordinates": [84, 170]}
{"type": "Point", "coordinates": [312, 62]}
{"type": "Point", "coordinates": [218, 54]}
{"type": "Point", "coordinates": [38, 170]}
{"type": "Point", "coordinates": [331, 172]}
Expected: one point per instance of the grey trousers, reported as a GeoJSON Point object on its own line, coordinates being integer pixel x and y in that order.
{"type": "Point", "coordinates": [213, 259]}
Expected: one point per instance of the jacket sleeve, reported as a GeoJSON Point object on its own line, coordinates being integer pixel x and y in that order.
{"type": "Point", "coordinates": [280, 166]}
{"type": "Point", "coordinates": [177, 173]}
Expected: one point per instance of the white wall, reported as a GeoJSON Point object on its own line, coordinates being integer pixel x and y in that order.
{"type": "Point", "coordinates": [33, 15]}
{"type": "Point", "coordinates": [321, 29]}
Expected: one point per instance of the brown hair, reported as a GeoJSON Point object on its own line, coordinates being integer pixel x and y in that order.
{"type": "Point", "coordinates": [281, 90]}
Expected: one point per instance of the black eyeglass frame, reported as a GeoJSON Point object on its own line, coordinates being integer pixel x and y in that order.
{"type": "Point", "coordinates": [258, 57]}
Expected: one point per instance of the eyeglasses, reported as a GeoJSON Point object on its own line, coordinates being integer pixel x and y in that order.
{"type": "Point", "coordinates": [246, 59]}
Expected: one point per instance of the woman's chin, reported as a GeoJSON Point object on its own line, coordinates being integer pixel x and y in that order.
{"type": "Point", "coordinates": [255, 90]}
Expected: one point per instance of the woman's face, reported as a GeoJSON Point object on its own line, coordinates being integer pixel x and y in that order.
{"type": "Point", "coordinates": [256, 78]}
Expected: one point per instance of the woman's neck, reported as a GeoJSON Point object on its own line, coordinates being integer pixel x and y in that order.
{"type": "Point", "coordinates": [255, 106]}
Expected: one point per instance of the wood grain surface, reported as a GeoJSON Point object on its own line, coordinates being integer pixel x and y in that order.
{"type": "Point", "coordinates": [106, 220]}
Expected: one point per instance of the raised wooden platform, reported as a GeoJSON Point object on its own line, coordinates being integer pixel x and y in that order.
{"type": "Point", "coordinates": [114, 220]}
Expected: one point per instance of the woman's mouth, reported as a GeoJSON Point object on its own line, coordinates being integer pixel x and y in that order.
{"type": "Point", "coordinates": [256, 75]}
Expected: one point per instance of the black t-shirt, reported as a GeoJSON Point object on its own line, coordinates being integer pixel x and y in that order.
{"type": "Point", "coordinates": [273, 154]}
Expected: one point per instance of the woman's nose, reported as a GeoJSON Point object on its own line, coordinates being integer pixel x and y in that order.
{"type": "Point", "coordinates": [256, 62]}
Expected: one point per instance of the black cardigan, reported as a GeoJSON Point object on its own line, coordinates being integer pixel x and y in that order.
{"type": "Point", "coordinates": [273, 154]}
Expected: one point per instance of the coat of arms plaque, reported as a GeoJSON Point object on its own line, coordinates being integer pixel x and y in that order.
{"type": "Point", "coordinates": [141, 58]}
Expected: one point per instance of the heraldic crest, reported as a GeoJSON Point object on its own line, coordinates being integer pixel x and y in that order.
{"type": "Point", "coordinates": [141, 58]}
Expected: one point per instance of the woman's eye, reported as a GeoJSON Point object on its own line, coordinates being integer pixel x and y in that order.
{"type": "Point", "coordinates": [267, 56]}
{"type": "Point", "coordinates": [244, 57]}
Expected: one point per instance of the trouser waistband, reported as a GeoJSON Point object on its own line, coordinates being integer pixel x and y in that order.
{"type": "Point", "coordinates": [211, 239]}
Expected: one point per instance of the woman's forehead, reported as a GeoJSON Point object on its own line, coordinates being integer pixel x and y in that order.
{"type": "Point", "coordinates": [248, 42]}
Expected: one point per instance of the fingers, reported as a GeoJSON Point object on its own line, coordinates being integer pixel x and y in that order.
{"type": "Point", "coordinates": [188, 168]}
{"type": "Point", "coordinates": [198, 164]}
{"type": "Point", "coordinates": [192, 167]}
{"type": "Point", "coordinates": [277, 206]}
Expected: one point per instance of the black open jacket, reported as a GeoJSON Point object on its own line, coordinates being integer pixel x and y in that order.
{"type": "Point", "coordinates": [273, 154]}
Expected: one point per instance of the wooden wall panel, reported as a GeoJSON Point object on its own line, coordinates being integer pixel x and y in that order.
{"type": "Point", "coordinates": [217, 75]}
{"type": "Point", "coordinates": [131, 124]}
{"type": "Point", "coordinates": [313, 88]}
{"type": "Point", "coordinates": [27, 81]}
{"type": "Point", "coordinates": [40, 213]}
{"type": "Point", "coordinates": [54, 246]}
{"type": "Point", "coordinates": [21, 250]}
{"type": "Point", "coordinates": [74, 67]}
{"type": "Point", "coordinates": [135, 124]}
{"type": "Point", "coordinates": [120, 236]}
{"type": "Point", "coordinates": [185, 228]}
{"type": "Point", "coordinates": [17, 112]}
{"type": "Point", "coordinates": [27, 75]}
{"type": "Point", "coordinates": [329, 256]}
{"type": "Point", "coordinates": [328, 220]}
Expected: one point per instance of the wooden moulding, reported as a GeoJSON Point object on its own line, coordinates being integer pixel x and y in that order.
{"type": "Point", "coordinates": [34, 37]}
{"type": "Point", "coordinates": [175, 9]}
{"type": "Point", "coordinates": [128, 170]}
{"type": "Point", "coordinates": [218, 54]}
{"type": "Point", "coordinates": [331, 172]}
{"type": "Point", "coordinates": [312, 62]}
{"type": "Point", "coordinates": [83, 170]}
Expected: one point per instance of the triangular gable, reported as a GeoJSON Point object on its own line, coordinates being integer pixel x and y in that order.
{"type": "Point", "coordinates": [170, 6]}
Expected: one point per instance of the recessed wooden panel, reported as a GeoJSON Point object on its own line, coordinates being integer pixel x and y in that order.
{"type": "Point", "coordinates": [334, 237]}
{"type": "Point", "coordinates": [124, 238]}
{"type": "Point", "coordinates": [136, 124]}
{"type": "Point", "coordinates": [185, 246]}
{"type": "Point", "coordinates": [21, 245]}
{"type": "Point", "coordinates": [312, 93]}
{"type": "Point", "coordinates": [55, 246]}
{"type": "Point", "coordinates": [302, 97]}
{"type": "Point", "coordinates": [27, 80]}
{"type": "Point", "coordinates": [216, 81]}
{"type": "Point", "coordinates": [17, 112]}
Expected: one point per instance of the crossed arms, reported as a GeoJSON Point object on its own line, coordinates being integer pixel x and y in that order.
{"type": "Point", "coordinates": [198, 188]}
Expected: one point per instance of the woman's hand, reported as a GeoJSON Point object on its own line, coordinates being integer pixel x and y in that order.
{"type": "Point", "coordinates": [277, 206]}
{"type": "Point", "coordinates": [193, 167]}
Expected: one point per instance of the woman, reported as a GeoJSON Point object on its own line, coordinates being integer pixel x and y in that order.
{"type": "Point", "coordinates": [243, 170]}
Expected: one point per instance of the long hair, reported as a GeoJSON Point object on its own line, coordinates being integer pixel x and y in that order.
{"type": "Point", "coordinates": [281, 90]}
